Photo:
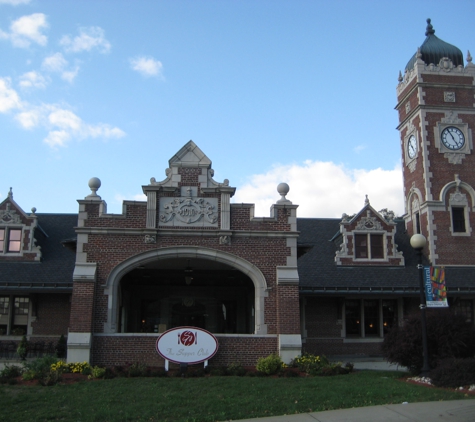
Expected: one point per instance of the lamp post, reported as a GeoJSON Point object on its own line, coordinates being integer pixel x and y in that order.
{"type": "Point", "coordinates": [418, 241]}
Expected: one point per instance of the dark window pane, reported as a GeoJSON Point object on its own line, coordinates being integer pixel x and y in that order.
{"type": "Point", "coordinates": [371, 318]}
{"type": "Point", "coordinates": [458, 219]}
{"type": "Point", "coordinates": [418, 223]}
{"type": "Point", "coordinates": [352, 318]}
{"type": "Point", "coordinates": [361, 245]}
{"type": "Point", "coordinates": [389, 314]}
{"type": "Point", "coordinates": [377, 247]}
{"type": "Point", "coordinates": [2, 239]}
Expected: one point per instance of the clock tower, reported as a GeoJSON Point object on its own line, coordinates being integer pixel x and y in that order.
{"type": "Point", "coordinates": [436, 106]}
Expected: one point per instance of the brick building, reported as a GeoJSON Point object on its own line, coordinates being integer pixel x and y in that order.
{"type": "Point", "coordinates": [280, 284]}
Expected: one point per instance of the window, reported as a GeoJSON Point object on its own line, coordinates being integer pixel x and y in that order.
{"type": "Point", "coordinates": [10, 240]}
{"type": "Point", "coordinates": [458, 219]}
{"type": "Point", "coordinates": [369, 246]}
{"type": "Point", "coordinates": [418, 223]}
{"type": "Point", "coordinates": [370, 317]}
{"type": "Point", "coordinates": [14, 321]}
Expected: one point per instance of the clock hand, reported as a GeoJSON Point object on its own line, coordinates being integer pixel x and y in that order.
{"type": "Point", "coordinates": [450, 133]}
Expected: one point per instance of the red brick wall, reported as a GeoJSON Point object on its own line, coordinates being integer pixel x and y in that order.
{"type": "Point", "coordinates": [52, 314]}
{"type": "Point", "coordinates": [82, 307]}
{"type": "Point", "coordinates": [118, 350]}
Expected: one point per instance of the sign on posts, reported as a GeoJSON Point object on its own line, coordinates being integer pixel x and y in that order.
{"type": "Point", "coordinates": [189, 345]}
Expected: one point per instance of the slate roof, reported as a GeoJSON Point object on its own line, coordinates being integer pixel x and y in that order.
{"type": "Point", "coordinates": [55, 271]}
{"type": "Point", "coordinates": [319, 273]}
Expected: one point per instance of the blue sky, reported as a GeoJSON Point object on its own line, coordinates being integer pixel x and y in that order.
{"type": "Point", "coordinates": [272, 91]}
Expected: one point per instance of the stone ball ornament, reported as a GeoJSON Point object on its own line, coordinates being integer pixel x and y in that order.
{"type": "Point", "coordinates": [283, 189]}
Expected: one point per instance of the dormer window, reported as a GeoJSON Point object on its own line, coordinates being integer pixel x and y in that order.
{"type": "Point", "coordinates": [369, 246]}
{"type": "Point", "coordinates": [10, 240]}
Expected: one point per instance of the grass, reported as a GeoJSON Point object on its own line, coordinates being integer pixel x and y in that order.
{"type": "Point", "coordinates": [207, 399]}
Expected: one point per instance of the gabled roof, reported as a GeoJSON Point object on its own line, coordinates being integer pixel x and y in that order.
{"type": "Point", "coordinates": [55, 270]}
{"type": "Point", "coordinates": [318, 272]}
{"type": "Point", "coordinates": [190, 156]}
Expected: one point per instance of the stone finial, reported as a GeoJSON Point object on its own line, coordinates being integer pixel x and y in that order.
{"type": "Point", "coordinates": [429, 29]}
{"type": "Point", "coordinates": [419, 54]}
{"type": "Point", "coordinates": [33, 210]}
{"type": "Point", "coordinates": [10, 194]}
{"type": "Point", "coordinates": [366, 201]}
{"type": "Point", "coordinates": [94, 185]}
{"type": "Point", "coordinates": [469, 57]}
{"type": "Point", "coordinates": [400, 79]}
{"type": "Point", "coordinates": [283, 189]}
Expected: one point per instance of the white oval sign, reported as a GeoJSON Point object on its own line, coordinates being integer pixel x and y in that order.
{"type": "Point", "coordinates": [187, 345]}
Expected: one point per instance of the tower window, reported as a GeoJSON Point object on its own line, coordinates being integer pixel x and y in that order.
{"type": "Point", "coordinates": [458, 220]}
{"type": "Point", "coordinates": [418, 223]}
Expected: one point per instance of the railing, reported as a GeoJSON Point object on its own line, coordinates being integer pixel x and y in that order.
{"type": "Point", "coordinates": [35, 349]}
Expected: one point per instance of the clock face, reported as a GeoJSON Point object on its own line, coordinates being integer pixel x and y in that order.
{"type": "Point", "coordinates": [453, 138]}
{"type": "Point", "coordinates": [411, 146]}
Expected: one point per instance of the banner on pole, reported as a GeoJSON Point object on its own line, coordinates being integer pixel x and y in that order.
{"type": "Point", "coordinates": [435, 290]}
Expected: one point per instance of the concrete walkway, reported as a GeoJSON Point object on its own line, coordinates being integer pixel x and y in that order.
{"type": "Point", "coordinates": [453, 411]}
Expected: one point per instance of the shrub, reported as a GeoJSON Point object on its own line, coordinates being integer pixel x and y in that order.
{"type": "Point", "coordinates": [310, 364]}
{"type": "Point", "coordinates": [270, 365]}
{"type": "Point", "coordinates": [137, 369]}
{"type": "Point", "coordinates": [448, 336]}
{"type": "Point", "coordinates": [236, 369]}
{"type": "Point", "coordinates": [61, 347]}
{"type": "Point", "coordinates": [454, 373]}
{"type": "Point", "coordinates": [10, 371]}
{"type": "Point", "coordinates": [38, 368]}
{"type": "Point", "coordinates": [97, 372]}
{"type": "Point", "coordinates": [22, 349]}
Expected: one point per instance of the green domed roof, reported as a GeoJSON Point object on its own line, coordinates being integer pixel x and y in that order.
{"type": "Point", "coordinates": [433, 49]}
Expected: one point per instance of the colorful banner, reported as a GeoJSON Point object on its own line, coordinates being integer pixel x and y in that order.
{"type": "Point", "coordinates": [434, 283]}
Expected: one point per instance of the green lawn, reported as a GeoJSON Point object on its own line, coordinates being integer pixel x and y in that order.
{"type": "Point", "coordinates": [207, 399]}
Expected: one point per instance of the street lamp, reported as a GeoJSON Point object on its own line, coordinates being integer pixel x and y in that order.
{"type": "Point", "coordinates": [418, 242]}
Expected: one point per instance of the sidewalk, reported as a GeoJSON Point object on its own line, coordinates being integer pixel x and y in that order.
{"type": "Point", "coordinates": [453, 411]}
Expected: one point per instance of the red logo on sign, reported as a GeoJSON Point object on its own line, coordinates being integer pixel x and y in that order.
{"type": "Point", "coordinates": [187, 338]}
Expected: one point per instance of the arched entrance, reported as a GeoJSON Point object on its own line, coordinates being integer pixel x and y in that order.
{"type": "Point", "coordinates": [169, 287]}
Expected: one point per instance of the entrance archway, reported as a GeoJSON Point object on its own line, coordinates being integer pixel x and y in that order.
{"type": "Point", "coordinates": [149, 293]}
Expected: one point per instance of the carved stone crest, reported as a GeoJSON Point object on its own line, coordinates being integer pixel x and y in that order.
{"type": "Point", "coordinates": [150, 238]}
{"type": "Point", "coordinates": [9, 216]}
{"type": "Point", "coordinates": [368, 223]}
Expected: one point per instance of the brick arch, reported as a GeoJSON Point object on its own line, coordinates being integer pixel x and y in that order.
{"type": "Point", "coordinates": [254, 273]}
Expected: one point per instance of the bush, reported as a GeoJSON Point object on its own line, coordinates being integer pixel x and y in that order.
{"type": "Point", "coordinates": [97, 372]}
{"type": "Point", "coordinates": [448, 336]}
{"type": "Point", "coordinates": [38, 368]}
{"type": "Point", "coordinates": [236, 369]}
{"type": "Point", "coordinates": [137, 369]}
{"type": "Point", "coordinates": [22, 349]}
{"type": "Point", "coordinates": [310, 364]}
{"type": "Point", "coordinates": [454, 373]}
{"type": "Point", "coordinates": [10, 371]}
{"type": "Point", "coordinates": [61, 347]}
{"type": "Point", "coordinates": [270, 365]}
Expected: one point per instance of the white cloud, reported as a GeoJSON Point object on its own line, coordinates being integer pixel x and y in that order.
{"type": "Point", "coordinates": [57, 63]}
{"type": "Point", "coordinates": [147, 66]}
{"type": "Point", "coordinates": [26, 30]}
{"type": "Point", "coordinates": [9, 99]}
{"type": "Point", "coordinates": [15, 2]}
{"type": "Point", "coordinates": [33, 79]}
{"type": "Point", "coordinates": [70, 75]}
{"type": "Point", "coordinates": [54, 63]}
{"type": "Point", "coordinates": [28, 119]}
{"type": "Point", "coordinates": [325, 189]}
{"type": "Point", "coordinates": [88, 39]}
